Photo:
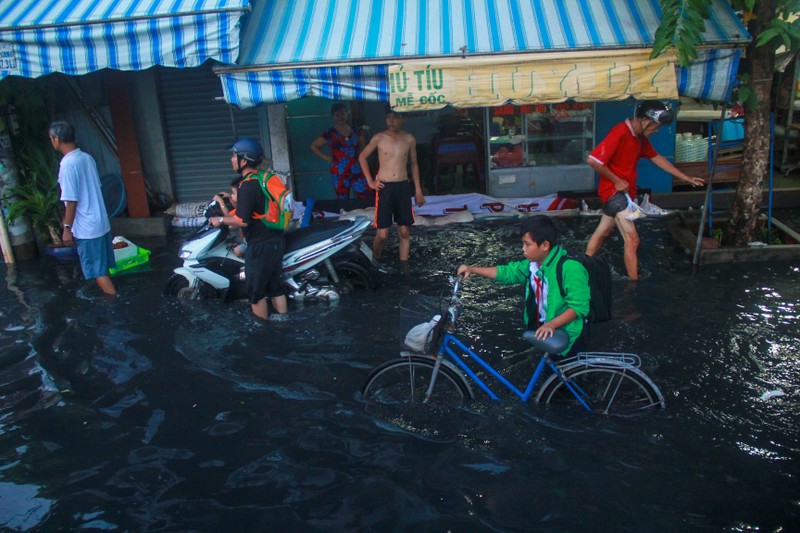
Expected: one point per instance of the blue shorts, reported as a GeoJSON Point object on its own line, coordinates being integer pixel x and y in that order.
{"type": "Point", "coordinates": [96, 255]}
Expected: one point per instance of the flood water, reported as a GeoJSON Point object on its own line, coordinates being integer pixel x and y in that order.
{"type": "Point", "coordinates": [151, 414]}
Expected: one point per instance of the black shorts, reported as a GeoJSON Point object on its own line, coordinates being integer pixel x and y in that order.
{"type": "Point", "coordinates": [393, 203]}
{"type": "Point", "coordinates": [615, 204]}
{"type": "Point", "coordinates": [262, 270]}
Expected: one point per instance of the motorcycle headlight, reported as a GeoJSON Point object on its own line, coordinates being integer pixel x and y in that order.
{"type": "Point", "coordinates": [184, 255]}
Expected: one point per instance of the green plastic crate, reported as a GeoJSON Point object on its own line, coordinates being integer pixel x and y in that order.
{"type": "Point", "coordinates": [141, 258]}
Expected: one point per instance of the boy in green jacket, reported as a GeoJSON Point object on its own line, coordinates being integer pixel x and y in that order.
{"type": "Point", "coordinates": [546, 310]}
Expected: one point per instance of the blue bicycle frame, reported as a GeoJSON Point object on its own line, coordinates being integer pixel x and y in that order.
{"type": "Point", "coordinates": [449, 340]}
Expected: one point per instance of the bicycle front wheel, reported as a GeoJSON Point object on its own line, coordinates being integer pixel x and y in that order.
{"type": "Point", "coordinates": [606, 390]}
{"type": "Point", "coordinates": [408, 380]}
{"type": "Point", "coordinates": [397, 394]}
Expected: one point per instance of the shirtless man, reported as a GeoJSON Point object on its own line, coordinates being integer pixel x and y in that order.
{"type": "Point", "coordinates": [393, 199]}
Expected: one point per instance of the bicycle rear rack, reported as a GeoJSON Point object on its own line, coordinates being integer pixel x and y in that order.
{"type": "Point", "coordinates": [604, 359]}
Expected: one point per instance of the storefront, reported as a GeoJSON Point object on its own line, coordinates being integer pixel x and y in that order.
{"type": "Point", "coordinates": [540, 149]}
{"type": "Point", "coordinates": [105, 39]}
{"type": "Point", "coordinates": [520, 93]}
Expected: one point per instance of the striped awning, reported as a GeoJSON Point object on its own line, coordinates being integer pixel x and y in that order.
{"type": "Point", "coordinates": [295, 48]}
{"type": "Point", "coordinates": [75, 37]}
{"type": "Point", "coordinates": [358, 82]}
{"type": "Point", "coordinates": [711, 76]}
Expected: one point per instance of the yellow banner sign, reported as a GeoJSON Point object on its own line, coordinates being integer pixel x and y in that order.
{"type": "Point", "coordinates": [532, 79]}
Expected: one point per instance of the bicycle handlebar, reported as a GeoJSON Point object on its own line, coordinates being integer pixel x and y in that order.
{"type": "Point", "coordinates": [456, 282]}
{"type": "Point", "coordinates": [454, 309]}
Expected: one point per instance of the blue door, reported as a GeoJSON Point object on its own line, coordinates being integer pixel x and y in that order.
{"type": "Point", "coordinates": [307, 119]}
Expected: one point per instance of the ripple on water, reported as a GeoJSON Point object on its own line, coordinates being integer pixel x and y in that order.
{"type": "Point", "coordinates": [201, 416]}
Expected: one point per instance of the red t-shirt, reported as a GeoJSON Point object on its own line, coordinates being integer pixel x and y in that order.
{"type": "Point", "coordinates": [620, 151]}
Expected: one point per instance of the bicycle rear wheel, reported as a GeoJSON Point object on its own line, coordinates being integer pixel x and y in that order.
{"type": "Point", "coordinates": [406, 381]}
{"type": "Point", "coordinates": [622, 391]}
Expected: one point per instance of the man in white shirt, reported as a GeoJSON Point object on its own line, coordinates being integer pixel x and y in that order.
{"type": "Point", "coordinates": [85, 221]}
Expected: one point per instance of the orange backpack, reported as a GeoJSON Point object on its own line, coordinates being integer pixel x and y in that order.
{"type": "Point", "coordinates": [279, 202]}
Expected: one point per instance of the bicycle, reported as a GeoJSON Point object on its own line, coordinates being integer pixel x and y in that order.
{"type": "Point", "coordinates": [600, 382]}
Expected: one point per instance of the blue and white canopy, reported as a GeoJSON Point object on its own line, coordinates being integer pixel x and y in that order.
{"type": "Point", "coordinates": [296, 48]}
{"type": "Point", "coordinates": [38, 37]}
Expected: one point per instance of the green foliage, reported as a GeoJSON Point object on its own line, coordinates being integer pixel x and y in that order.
{"type": "Point", "coordinates": [37, 195]}
{"type": "Point", "coordinates": [683, 22]}
{"type": "Point", "coordinates": [745, 93]}
{"type": "Point", "coordinates": [682, 25]}
{"type": "Point", "coordinates": [37, 199]}
{"type": "Point", "coordinates": [717, 235]}
{"type": "Point", "coordinates": [781, 30]}
{"type": "Point", "coordinates": [27, 99]}
{"type": "Point", "coordinates": [764, 235]}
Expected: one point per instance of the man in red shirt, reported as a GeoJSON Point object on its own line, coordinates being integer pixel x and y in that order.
{"type": "Point", "coordinates": [615, 160]}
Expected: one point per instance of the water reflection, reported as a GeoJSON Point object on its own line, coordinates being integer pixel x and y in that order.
{"type": "Point", "coordinates": [20, 507]}
{"type": "Point", "coordinates": [200, 418]}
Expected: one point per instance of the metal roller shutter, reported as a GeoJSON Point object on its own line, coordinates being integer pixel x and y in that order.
{"type": "Point", "coordinates": [199, 128]}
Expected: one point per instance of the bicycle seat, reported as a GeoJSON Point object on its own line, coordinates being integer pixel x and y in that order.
{"type": "Point", "coordinates": [555, 344]}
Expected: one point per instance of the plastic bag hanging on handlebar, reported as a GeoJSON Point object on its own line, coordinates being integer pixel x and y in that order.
{"type": "Point", "coordinates": [420, 337]}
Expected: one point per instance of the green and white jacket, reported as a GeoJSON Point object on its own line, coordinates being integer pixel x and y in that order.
{"type": "Point", "coordinates": [576, 289]}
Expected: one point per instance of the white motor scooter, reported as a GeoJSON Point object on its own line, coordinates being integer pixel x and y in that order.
{"type": "Point", "coordinates": [322, 261]}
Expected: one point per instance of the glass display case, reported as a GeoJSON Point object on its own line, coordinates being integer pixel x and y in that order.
{"type": "Point", "coordinates": [541, 134]}
{"type": "Point", "coordinates": [540, 149]}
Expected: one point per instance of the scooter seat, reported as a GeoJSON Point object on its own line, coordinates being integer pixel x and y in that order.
{"type": "Point", "coordinates": [319, 231]}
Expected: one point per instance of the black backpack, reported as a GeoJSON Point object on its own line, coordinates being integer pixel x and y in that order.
{"type": "Point", "coordinates": [599, 285]}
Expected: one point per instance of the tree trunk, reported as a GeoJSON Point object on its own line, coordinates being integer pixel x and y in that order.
{"type": "Point", "coordinates": [756, 149]}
